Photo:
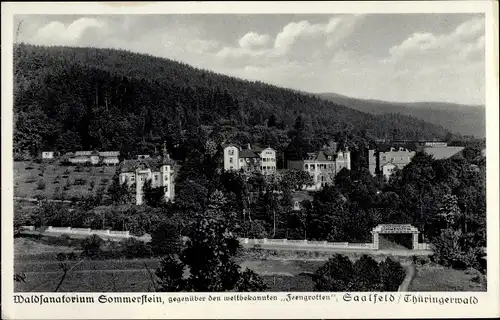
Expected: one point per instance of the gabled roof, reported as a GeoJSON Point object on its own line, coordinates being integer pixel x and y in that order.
{"type": "Point", "coordinates": [248, 154]}
{"type": "Point", "coordinates": [152, 164]}
{"type": "Point", "coordinates": [443, 152]}
{"type": "Point", "coordinates": [389, 163]}
{"type": "Point", "coordinates": [225, 145]}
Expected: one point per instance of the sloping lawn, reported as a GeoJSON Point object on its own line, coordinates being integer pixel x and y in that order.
{"type": "Point", "coordinates": [438, 278]}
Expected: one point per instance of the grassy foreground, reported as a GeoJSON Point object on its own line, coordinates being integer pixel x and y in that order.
{"type": "Point", "coordinates": [58, 181]}
{"type": "Point", "coordinates": [38, 261]}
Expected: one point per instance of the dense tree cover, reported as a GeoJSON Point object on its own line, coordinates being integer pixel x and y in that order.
{"type": "Point", "coordinates": [365, 274]}
{"type": "Point", "coordinates": [208, 256]}
{"type": "Point", "coordinates": [84, 98]}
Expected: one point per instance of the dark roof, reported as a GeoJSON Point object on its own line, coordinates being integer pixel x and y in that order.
{"type": "Point", "coordinates": [225, 145]}
{"type": "Point", "coordinates": [248, 154]}
{"type": "Point", "coordinates": [132, 165]}
{"type": "Point", "coordinates": [443, 152]}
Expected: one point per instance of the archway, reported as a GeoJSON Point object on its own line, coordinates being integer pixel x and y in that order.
{"type": "Point", "coordinates": [395, 229]}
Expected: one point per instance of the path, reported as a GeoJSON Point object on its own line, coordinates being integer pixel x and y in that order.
{"type": "Point", "coordinates": [410, 275]}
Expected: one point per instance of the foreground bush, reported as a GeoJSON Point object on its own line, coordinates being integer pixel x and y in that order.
{"type": "Point", "coordinates": [340, 274]}
{"type": "Point", "coordinates": [91, 247]}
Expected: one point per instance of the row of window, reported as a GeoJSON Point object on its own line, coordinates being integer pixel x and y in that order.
{"type": "Point", "coordinates": [155, 178]}
{"type": "Point", "coordinates": [269, 159]}
{"type": "Point", "coordinates": [320, 166]}
{"type": "Point", "coordinates": [268, 168]}
{"type": "Point", "coordinates": [384, 158]}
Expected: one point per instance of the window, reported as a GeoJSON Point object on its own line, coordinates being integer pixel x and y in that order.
{"type": "Point", "coordinates": [306, 166]}
{"type": "Point", "coordinates": [155, 177]}
{"type": "Point", "coordinates": [384, 158]}
{"type": "Point", "coordinates": [230, 152]}
{"type": "Point", "coordinates": [132, 178]}
{"type": "Point", "coordinates": [313, 167]}
{"type": "Point", "coordinates": [392, 159]}
{"type": "Point", "coordinates": [329, 157]}
{"type": "Point", "coordinates": [166, 178]}
{"type": "Point", "coordinates": [231, 160]}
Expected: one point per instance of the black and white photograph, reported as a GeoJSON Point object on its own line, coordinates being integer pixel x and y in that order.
{"type": "Point", "coordinates": [232, 152]}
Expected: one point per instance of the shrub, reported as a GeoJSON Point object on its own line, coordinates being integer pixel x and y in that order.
{"type": "Point", "coordinates": [91, 247]}
{"type": "Point", "coordinates": [71, 256]}
{"type": "Point", "coordinates": [165, 239]}
{"type": "Point", "coordinates": [40, 185]}
{"type": "Point", "coordinates": [80, 182]}
{"type": "Point", "coordinates": [335, 275]}
{"type": "Point", "coordinates": [133, 248]}
{"type": "Point", "coordinates": [367, 274]}
{"type": "Point", "coordinates": [392, 274]}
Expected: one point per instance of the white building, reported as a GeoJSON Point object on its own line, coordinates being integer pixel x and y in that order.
{"type": "Point", "coordinates": [95, 157]}
{"type": "Point", "coordinates": [159, 171]}
{"type": "Point", "coordinates": [256, 159]}
{"type": "Point", "coordinates": [47, 154]}
{"type": "Point", "coordinates": [324, 164]}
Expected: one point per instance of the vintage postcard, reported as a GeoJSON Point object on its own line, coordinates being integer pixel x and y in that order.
{"type": "Point", "coordinates": [230, 160]}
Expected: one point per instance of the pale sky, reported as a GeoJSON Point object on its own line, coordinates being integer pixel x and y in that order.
{"type": "Point", "coordinates": [392, 57]}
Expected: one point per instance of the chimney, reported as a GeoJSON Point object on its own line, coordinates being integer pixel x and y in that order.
{"type": "Point", "coordinates": [249, 148]}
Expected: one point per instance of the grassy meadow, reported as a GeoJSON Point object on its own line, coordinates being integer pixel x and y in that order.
{"type": "Point", "coordinates": [291, 272]}
{"type": "Point", "coordinates": [50, 180]}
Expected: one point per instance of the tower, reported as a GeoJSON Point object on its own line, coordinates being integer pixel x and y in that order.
{"type": "Point", "coordinates": [164, 155]}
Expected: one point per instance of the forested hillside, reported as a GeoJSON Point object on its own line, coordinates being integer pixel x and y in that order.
{"type": "Point", "coordinates": [462, 119]}
{"type": "Point", "coordinates": [82, 98]}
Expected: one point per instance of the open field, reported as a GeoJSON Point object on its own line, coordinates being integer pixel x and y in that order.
{"type": "Point", "coordinates": [28, 177]}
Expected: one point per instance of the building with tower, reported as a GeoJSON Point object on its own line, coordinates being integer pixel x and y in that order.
{"type": "Point", "coordinates": [160, 171]}
{"type": "Point", "coordinates": [249, 159]}
{"type": "Point", "coordinates": [323, 165]}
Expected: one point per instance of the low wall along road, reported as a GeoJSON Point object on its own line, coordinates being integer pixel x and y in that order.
{"type": "Point", "coordinates": [272, 244]}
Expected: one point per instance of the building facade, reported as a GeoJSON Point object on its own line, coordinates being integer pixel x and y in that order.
{"type": "Point", "coordinates": [94, 157]}
{"type": "Point", "coordinates": [47, 154]}
{"type": "Point", "coordinates": [323, 165]}
{"type": "Point", "coordinates": [160, 171]}
{"type": "Point", "coordinates": [249, 159]}
{"type": "Point", "coordinates": [386, 158]}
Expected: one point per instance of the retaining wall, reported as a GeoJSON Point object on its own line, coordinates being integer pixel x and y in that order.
{"type": "Point", "coordinates": [275, 242]}
{"type": "Point", "coordinates": [87, 231]}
